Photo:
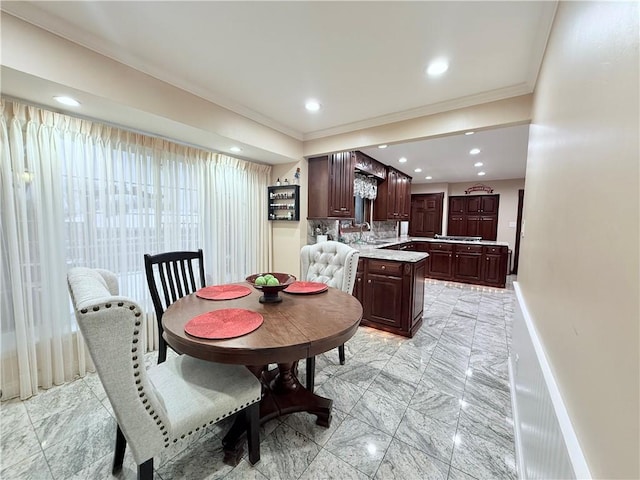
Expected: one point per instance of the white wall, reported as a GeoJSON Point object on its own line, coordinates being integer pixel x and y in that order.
{"type": "Point", "coordinates": [579, 254]}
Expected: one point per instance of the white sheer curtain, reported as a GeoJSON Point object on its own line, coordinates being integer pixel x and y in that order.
{"type": "Point", "coordinates": [76, 192]}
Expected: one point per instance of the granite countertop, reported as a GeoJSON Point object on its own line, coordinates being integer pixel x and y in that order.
{"type": "Point", "coordinates": [374, 251]}
{"type": "Point", "coordinates": [378, 251]}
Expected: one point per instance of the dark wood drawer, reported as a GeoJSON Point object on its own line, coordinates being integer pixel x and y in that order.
{"type": "Point", "coordinates": [382, 267]}
{"type": "Point", "coordinates": [445, 247]}
{"type": "Point", "coordinates": [497, 250]}
{"type": "Point", "coordinates": [468, 248]}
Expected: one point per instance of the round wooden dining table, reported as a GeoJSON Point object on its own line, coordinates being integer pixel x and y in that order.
{"type": "Point", "coordinates": [299, 327]}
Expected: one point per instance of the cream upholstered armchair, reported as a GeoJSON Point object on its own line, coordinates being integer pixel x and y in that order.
{"type": "Point", "coordinates": [154, 408]}
{"type": "Point", "coordinates": [334, 264]}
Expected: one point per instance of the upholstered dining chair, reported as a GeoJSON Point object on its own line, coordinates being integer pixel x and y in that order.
{"type": "Point", "coordinates": [334, 264]}
{"type": "Point", "coordinates": [154, 408]}
{"type": "Point", "coordinates": [176, 274]}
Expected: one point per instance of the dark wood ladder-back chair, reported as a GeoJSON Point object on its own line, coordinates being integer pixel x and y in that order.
{"type": "Point", "coordinates": [176, 274]}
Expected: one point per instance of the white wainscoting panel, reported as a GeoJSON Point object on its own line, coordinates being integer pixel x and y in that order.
{"type": "Point", "coordinates": [546, 444]}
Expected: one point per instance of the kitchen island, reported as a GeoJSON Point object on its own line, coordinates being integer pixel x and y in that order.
{"type": "Point", "coordinates": [390, 286]}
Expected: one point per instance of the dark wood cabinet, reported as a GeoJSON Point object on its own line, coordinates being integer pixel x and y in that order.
{"type": "Point", "coordinates": [370, 166]}
{"type": "Point", "coordinates": [473, 216]}
{"type": "Point", "coordinates": [495, 266]}
{"type": "Point", "coordinates": [457, 225]}
{"type": "Point", "coordinates": [467, 263]}
{"type": "Point", "coordinates": [440, 261]}
{"type": "Point", "coordinates": [392, 294]}
{"type": "Point", "coordinates": [426, 215]}
{"type": "Point", "coordinates": [462, 262]}
{"type": "Point", "coordinates": [331, 191]}
{"type": "Point", "coordinates": [394, 197]}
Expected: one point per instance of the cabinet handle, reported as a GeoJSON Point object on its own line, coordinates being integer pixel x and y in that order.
{"type": "Point", "coordinates": [449, 255]}
{"type": "Point", "coordinates": [383, 267]}
{"type": "Point", "coordinates": [457, 256]}
{"type": "Point", "coordinates": [359, 279]}
{"type": "Point", "coordinates": [468, 248]}
{"type": "Point", "coordinates": [487, 259]}
{"type": "Point", "coordinates": [368, 281]}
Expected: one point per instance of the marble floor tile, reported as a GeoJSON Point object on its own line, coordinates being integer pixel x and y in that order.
{"type": "Point", "coordinates": [305, 424]}
{"type": "Point", "coordinates": [379, 412]}
{"type": "Point", "coordinates": [455, 474]}
{"type": "Point", "coordinates": [345, 395]}
{"type": "Point", "coordinates": [359, 444]}
{"type": "Point", "coordinates": [18, 444]}
{"type": "Point", "coordinates": [244, 471]}
{"type": "Point", "coordinates": [436, 404]}
{"type": "Point", "coordinates": [424, 433]}
{"type": "Point", "coordinates": [70, 422]}
{"type": "Point", "coordinates": [493, 427]}
{"type": "Point", "coordinates": [34, 467]}
{"type": "Point", "coordinates": [405, 369]}
{"type": "Point", "coordinates": [435, 377]}
{"type": "Point", "coordinates": [203, 460]}
{"type": "Point", "coordinates": [403, 462]}
{"type": "Point", "coordinates": [56, 399]}
{"type": "Point", "coordinates": [286, 454]}
{"type": "Point", "coordinates": [94, 383]}
{"type": "Point", "coordinates": [72, 454]}
{"type": "Point", "coordinates": [433, 406]}
{"type": "Point", "coordinates": [358, 373]}
{"type": "Point", "coordinates": [484, 391]}
{"type": "Point", "coordinates": [393, 387]}
{"type": "Point", "coordinates": [101, 469]}
{"type": "Point", "coordinates": [416, 355]}
{"type": "Point", "coordinates": [484, 460]}
{"type": "Point", "coordinates": [13, 415]}
{"type": "Point", "coordinates": [327, 466]}
{"type": "Point", "coordinates": [448, 364]}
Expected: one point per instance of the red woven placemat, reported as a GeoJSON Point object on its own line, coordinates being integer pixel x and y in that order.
{"type": "Point", "coordinates": [225, 323]}
{"type": "Point", "coordinates": [306, 287]}
{"type": "Point", "coordinates": [223, 292]}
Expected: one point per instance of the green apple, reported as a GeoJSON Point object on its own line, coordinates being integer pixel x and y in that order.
{"type": "Point", "coordinates": [268, 276]}
{"type": "Point", "coordinates": [273, 282]}
{"type": "Point", "coordinates": [261, 280]}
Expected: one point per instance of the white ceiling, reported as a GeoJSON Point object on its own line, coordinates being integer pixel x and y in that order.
{"type": "Point", "coordinates": [364, 61]}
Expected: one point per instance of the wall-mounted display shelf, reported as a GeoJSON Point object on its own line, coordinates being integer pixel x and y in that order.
{"type": "Point", "coordinates": [284, 202]}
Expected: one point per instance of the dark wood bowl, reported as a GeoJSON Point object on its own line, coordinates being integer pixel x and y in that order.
{"type": "Point", "coordinates": [270, 292]}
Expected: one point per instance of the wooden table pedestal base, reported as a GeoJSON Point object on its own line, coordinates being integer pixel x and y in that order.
{"type": "Point", "coordinates": [282, 393]}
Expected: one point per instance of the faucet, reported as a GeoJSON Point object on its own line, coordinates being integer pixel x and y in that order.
{"type": "Point", "coordinates": [362, 225]}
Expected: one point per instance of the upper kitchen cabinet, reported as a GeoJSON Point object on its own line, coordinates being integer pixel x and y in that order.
{"type": "Point", "coordinates": [394, 197]}
{"type": "Point", "coordinates": [331, 186]}
{"type": "Point", "coordinates": [474, 216]}
{"type": "Point", "coordinates": [369, 166]}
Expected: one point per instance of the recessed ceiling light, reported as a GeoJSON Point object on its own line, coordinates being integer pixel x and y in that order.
{"type": "Point", "coordinates": [235, 149]}
{"type": "Point", "coordinates": [481, 173]}
{"type": "Point", "coordinates": [428, 178]}
{"type": "Point", "coordinates": [437, 67]}
{"type": "Point", "coordinates": [72, 102]}
{"type": "Point", "coordinates": [474, 151]}
{"type": "Point", "coordinates": [469, 133]}
{"type": "Point", "coordinates": [382, 146]}
{"type": "Point", "coordinates": [312, 105]}
{"type": "Point", "coordinates": [478, 164]}
{"type": "Point", "coordinates": [402, 159]}
{"type": "Point", "coordinates": [418, 170]}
